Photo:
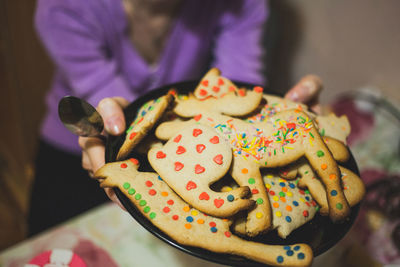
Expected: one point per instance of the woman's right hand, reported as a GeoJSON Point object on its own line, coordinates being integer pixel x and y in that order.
{"type": "Point", "coordinates": [93, 149]}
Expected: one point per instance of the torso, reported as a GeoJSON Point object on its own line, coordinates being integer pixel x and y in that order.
{"type": "Point", "coordinates": [149, 28]}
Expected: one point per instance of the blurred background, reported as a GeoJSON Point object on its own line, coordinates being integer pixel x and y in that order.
{"type": "Point", "coordinates": [351, 45]}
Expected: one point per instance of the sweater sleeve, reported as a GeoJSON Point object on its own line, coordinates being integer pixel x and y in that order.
{"type": "Point", "coordinates": [238, 50]}
{"type": "Point", "coordinates": [77, 46]}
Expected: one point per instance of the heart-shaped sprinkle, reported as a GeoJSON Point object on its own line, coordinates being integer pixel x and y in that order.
{"type": "Point", "coordinates": [178, 166]}
{"type": "Point", "coordinates": [218, 159]}
{"type": "Point", "coordinates": [215, 89]}
{"type": "Point", "coordinates": [242, 92]}
{"type": "Point", "coordinates": [204, 82]}
{"type": "Point", "coordinates": [232, 89]}
{"type": "Point", "coordinates": [218, 202]}
{"type": "Point", "coordinates": [203, 92]}
{"type": "Point", "coordinates": [132, 135]}
{"type": "Point", "coordinates": [220, 81]}
{"type": "Point", "coordinates": [200, 148]}
{"type": "Point", "coordinates": [177, 138]}
{"type": "Point", "coordinates": [199, 169]}
{"type": "Point", "coordinates": [204, 196]}
{"type": "Point", "coordinates": [134, 161]}
{"type": "Point", "coordinates": [258, 89]}
{"type": "Point", "coordinates": [180, 150]}
{"type": "Point", "coordinates": [160, 155]}
{"type": "Point", "coordinates": [191, 185]}
{"type": "Point", "coordinates": [214, 140]}
{"type": "Point", "coordinates": [197, 117]}
{"type": "Point", "coordinates": [197, 132]}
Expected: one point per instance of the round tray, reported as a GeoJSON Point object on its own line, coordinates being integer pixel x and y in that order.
{"type": "Point", "coordinates": [320, 233]}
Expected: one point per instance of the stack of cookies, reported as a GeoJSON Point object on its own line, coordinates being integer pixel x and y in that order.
{"type": "Point", "coordinates": [232, 163]}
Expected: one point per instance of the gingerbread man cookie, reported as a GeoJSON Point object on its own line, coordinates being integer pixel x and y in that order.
{"type": "Point", "coordinates": [191, 161]}
{"type": "Point", "coordinates": [188, 226]}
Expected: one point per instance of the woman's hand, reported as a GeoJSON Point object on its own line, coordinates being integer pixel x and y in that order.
{"type": "Point", "coordinates": [93, 149]}
{"type": "Point", "coordinates": [307, 91]}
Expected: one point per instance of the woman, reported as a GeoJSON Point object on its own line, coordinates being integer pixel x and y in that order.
{"type": "Point", "coordinates": [110, 52]}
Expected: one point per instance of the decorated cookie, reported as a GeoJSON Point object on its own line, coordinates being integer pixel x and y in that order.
{"type": "Point", "coordinates": [274, 104]}
{"type": "Point", "coordinates": [353, 187]}
{"type": "Point", "coordinates": [191, 161]}
{"type": "Point", "coordinates": [333, 126]}
{"type": "Point", "coordinates": [146, 118]}
{"type": "Point", "coordinates": [214, 85]}
{"type": "Point", "coordinates": [242, 103]}
{"type": "Point", "coordinates": [291, 206]}
{"type": "Point", "coordinates": [189, 226]}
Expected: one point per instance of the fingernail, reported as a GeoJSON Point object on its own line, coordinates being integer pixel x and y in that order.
{"type": "Point", "coordinates": [114, 125]}
{"type": "Point", "coordinates": [308, 88]}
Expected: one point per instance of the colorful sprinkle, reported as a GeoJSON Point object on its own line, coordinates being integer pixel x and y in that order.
{"type": "Point", "coordinates": [320, 153]}
{"type": "Point", "coordinates": [339, 206]}
{"type": "Point", "coordinates": [333, 193]}
{"type": "Point", "coordinates": [259, 215]}
{"type": "Point", "coordinates": [279, 259]}
{"type": "Point", "coordinates": [152, 215]}
{"type": "Point", "coordinates": [189, 219]}
{"type": "Point", "coordinates": [146, 209]}
{"type": "Point", "coordinates": [251, 181]}
{"type": "Point", "coordinates": [324, 166]}
{"type": "Point", "coordinates": [230, 198]}
{"type": "Point", "coordinates": [259, 201]}
{"type": "Point", "coordinates": [126, 185]}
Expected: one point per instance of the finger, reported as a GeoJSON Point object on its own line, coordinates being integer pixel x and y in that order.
{"type": "Point", "coordinates": [94, 150]}
{"type": "Point", "coordinates": [306, 89]}
{"type": "Point", "coordinates": [111, 111]}
{"type": "Point", "coordinates": [111, 195]}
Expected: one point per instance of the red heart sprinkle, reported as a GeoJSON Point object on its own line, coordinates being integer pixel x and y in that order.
{"type": "Point", "coordinates": [215, 89]}
{"type": "Point", "coordinates": [134, 161]}
{"type": "Point", "coordinates": [199, 169]}
{"type": "Point", "coordinates": [197, 117]}
{"type": "Point", "coordinates": [180, 150]}
{"type": "Point", "coordinates": [218, 159]}
{"type": "Point", "coordinates": [218, 202]}
{"type": "Point", "coordinates": [149, 184]}
{"type": "Point", "coordinates": [160, 155]}
{"type": "Point", "coordinates": [242, 92]}
{"type": "Point", "coordinates": [232, 89]}
{"type": "Point", "coordinates": [214, 140]}
{"type": "Point", "coordinates": [204, 196]}
{"type": "Point", "coordinates": [200, 148]}
{"type": "Point", "coordinates": [258, 89]}
{"type": "Point", "coordinates": [205, 82]}
{"type": "Point", "coordinates": [220, 81]}
{"type": "Point", "coordinates": [197, 132]}
{"type": "Point", "coordinates": [177, 138]}
{"type": "Point", "coordinates": [178, 166]}
{"type": "Point", "coordinates": [132, 135]}
{"type": "Point", "coordinates": [124, 165]}
{"type": "Point", "coordinates": [203, 92]}
{"type": "Point", "coordinates": [191, 185]}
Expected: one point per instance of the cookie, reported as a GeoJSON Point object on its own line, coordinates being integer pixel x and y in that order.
{"type": "Point", "coordinates": [191, 161]}
{"type": "Point", "coordinates": [240, 104]}
{"type": "Point", "coordinates": [274, 104]}
{"type": "Point", "coordinates": [146, 118]}
{"type": "Point", "coordinates": [214, 85]}
{"type": "Point", "coordinates": [291, 206]}
{"type": "Point", "coordinates": [188, 226]}
{"type": "Point", "coordinates": [333, 126]}
{"type": "Point", "coordinates": [353, 187]}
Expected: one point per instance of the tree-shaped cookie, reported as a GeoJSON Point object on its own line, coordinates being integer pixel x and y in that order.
{"type": "Point", "coordinates": [191, 161]}
{"type": "Point", "coordinates": [146, 118]}
{"type": "Point", "coordinates": [188, 226]}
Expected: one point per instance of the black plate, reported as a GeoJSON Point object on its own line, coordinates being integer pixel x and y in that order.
{"type": "Point", "coordinates": [320, 233]}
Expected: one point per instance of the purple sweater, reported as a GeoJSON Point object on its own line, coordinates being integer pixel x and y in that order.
{"type": "Point", "coordinates": [94, 58]}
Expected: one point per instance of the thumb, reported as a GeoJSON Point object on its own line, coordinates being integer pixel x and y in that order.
{"type": "Point", "coordinates": [113, 116]}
